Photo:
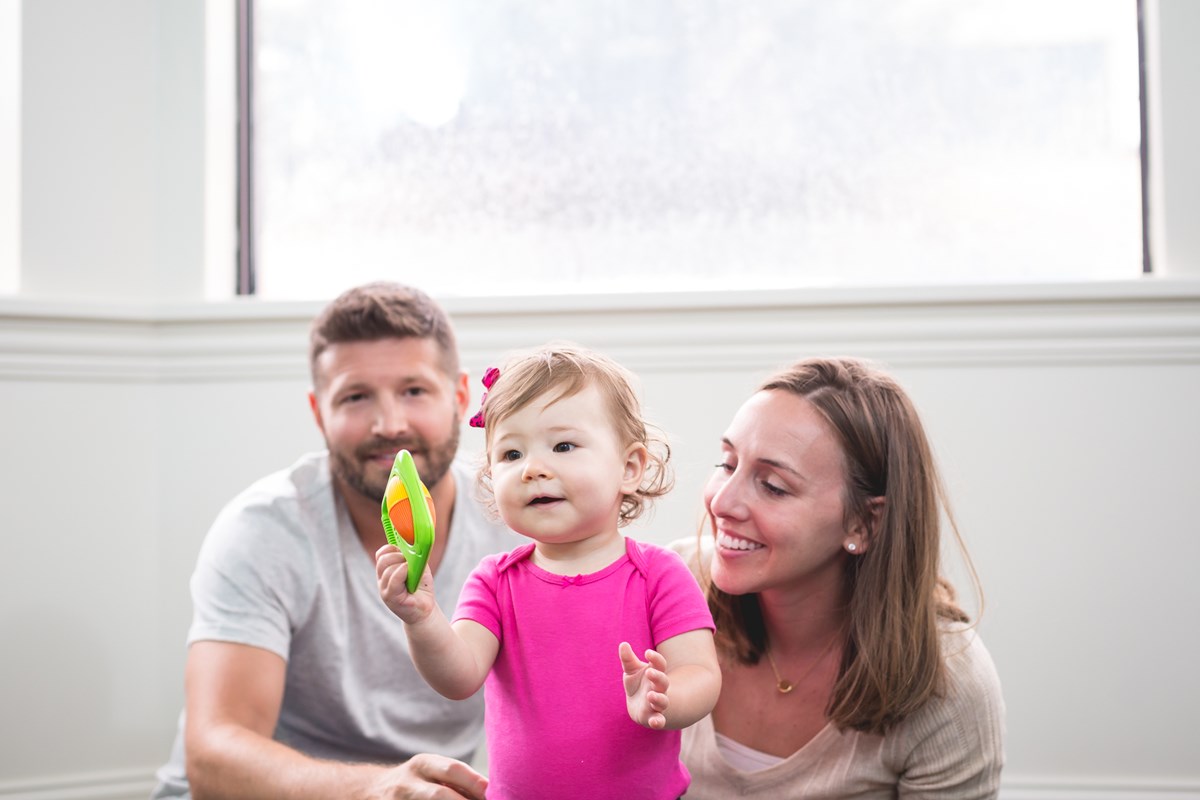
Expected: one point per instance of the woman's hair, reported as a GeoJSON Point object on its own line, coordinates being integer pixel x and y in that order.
{"type": "Point", "coordinates": [566, 370]}
{"type": "Point", "coordinates": [892, 661]}
{"type": "Point", "coordinates": [383, 310]}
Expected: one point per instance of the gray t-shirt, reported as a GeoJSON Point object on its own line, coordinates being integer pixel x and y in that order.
{"type": "Point", "coordinates": [282, 569]}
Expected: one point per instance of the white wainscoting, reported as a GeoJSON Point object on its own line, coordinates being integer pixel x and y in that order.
{"type": "Point", "coordinates": [1065, 419]}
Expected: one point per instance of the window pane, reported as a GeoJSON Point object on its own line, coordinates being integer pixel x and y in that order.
{"type": "Point", "coordinates": [528, 147]}
{"type": "Point", "coordinates": [10, 145]}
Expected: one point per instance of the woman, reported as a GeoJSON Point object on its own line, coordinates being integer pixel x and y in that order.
{"type": "Point", "coordinates": [848, 670]}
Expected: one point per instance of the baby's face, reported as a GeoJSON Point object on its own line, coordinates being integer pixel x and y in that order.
{"type": "Point", "coordinates": [559, 471]}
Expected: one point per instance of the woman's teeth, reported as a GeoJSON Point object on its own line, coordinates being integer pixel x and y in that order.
{"type": "Point", "coordinates": [733, 543]}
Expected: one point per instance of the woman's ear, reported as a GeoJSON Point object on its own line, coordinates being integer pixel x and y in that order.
{"type": "Point", "coordinates": [862, 533]}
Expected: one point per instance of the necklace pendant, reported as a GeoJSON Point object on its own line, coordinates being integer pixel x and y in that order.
{"type": "Point", "coordinates": [785, 686]}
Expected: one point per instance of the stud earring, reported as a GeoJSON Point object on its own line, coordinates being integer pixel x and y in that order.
{"type": "Point", "coordinates": [851, 546]}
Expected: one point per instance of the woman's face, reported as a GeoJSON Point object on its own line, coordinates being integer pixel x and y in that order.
{"type": "Point", "coordinates": [777, 498]}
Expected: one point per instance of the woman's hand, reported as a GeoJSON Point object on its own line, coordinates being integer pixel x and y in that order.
{"type": "Point", "coordinates": [646, 685]}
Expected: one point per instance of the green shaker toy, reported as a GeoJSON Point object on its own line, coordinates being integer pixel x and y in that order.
{"type": "Point", "coordinates": [408, 516]}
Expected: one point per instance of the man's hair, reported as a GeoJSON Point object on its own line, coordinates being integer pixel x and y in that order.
{"type": "Point", "coordinates": [565, 370]}
{"type": "Point", "coordinates": [383, 310]}
{"type": "Point", "coordinates": [893, 662]}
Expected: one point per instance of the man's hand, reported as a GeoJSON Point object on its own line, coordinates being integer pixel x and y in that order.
{"type": "Point", "coordinates": [429, 777]}
{"type": "Point", "coordinates": [646, 685]}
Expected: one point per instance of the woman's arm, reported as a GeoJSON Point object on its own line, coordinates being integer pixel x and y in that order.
{"type": "Point", "coordinates": [956, 743]}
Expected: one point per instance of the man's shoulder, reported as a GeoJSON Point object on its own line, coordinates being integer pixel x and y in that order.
{"type": "Point", "coordinates": [470, 513]}
{"type": "Point", "coordinates": [296, 484]}
{"type": "Point", "coordinates": [278, 508]}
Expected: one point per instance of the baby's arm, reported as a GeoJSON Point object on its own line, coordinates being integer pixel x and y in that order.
{"type": "Point", "coordinates": [454, 660]}
{"type": "Point", "coordinates": [676, 685]}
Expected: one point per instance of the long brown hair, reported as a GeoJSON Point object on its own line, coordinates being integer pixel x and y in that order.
{"type": "Point", "coordinates": [892, 662]}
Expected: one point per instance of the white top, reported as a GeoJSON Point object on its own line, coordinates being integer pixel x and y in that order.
{"type": "Point", "coordinates": [283, 569]}
{"type": "Point", "coordinates": [951, 748]}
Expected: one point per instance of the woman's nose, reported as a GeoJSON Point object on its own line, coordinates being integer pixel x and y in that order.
{"type": "Point", "coordinates": [723, 496]}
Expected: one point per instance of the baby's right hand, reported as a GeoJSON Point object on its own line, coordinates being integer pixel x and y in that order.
{"type": "Point", "coordinates": [392, 570]}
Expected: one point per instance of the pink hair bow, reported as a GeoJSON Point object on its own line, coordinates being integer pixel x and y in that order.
{"type": "Point", "coordinates": [489, 379]}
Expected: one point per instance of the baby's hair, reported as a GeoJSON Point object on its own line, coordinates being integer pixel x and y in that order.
{"type": "Point", "coordinates": [566, 370]}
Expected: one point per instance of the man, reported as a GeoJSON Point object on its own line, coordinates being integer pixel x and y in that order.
{"type": "Point", "coordinates": [298, 681]}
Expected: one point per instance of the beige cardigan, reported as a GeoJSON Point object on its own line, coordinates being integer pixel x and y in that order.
{"type": "Point", "coordinates": [951, 748]}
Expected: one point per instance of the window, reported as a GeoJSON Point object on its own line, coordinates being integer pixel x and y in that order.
{"type": "Point", "coordinates": [10, 144]}
{"type": "Point", "coordinates": [533, 147]}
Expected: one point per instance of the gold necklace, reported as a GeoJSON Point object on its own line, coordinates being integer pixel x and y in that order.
{"type": "Point", "coordinates": [785, 686]}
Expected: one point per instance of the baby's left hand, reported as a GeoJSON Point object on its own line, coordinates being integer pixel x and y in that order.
{"type": "Point", "coordinates": [646, 684]}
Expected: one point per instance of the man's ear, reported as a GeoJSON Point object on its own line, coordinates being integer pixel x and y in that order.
{"type": "Point", "coordinates": [636, 459]}
{"type": "Point", "coordinates": [863, 531]}
{"type": "Point", "coordinates": [316, 411]}
{"type": "Point", "coordinates": [462, 394]}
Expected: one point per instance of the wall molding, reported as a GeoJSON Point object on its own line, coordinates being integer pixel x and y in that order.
{"type": "Point", "coordinates": [1154, 324]}
{"type": "Point", "coordinates": [129, 784]}
{"type": "Point", "coordinates": [1080, 789]}
{"type": "Point", "coordinates": [136, 784]}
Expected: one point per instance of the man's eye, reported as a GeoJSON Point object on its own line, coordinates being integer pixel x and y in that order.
{"type": "Point", "coordinates": [564, 447]}
{"type": "Point", "coordinates": [415, 391]}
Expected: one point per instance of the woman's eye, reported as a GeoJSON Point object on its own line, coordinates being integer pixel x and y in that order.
{"type": "Point", "coordinates": [773, 489]}
{"type": "Point", "coordinates": [725, 466]}
{"type": "Point", "coordinates": [564, 447]}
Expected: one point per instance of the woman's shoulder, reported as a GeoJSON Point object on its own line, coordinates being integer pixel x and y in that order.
{"type": "Point", "coordinates": [954, 745]}
{"type": "Point", "coordinates": [968, 707]}
{"type": "Point", "coordinates": [695, 551]}
{"type": "Point", "coordinates": [971, 675]}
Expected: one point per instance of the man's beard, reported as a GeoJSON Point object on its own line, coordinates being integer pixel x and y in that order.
{"type": "Point", "coordinates": [432, 462]}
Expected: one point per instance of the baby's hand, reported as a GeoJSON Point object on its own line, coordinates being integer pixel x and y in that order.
{"type": "Point", "coordinates": [392, 571]}
{"type": "Point", "coordinates": [646, 684]}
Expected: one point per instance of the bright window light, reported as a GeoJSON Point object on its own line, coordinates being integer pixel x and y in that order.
{"type": "Point", "coordinates": [10, 146]}
{"type": "Point", "coordinates": [595, 146]}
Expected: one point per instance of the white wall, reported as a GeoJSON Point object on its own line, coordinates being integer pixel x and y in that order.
{"type": "Point", "coordinates": [1064, 416]}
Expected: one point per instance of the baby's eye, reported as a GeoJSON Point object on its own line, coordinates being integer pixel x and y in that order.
{"type": "Point", "coordinates": [511, 455]}
{"type": "Point", "coordinates": [564, 447]}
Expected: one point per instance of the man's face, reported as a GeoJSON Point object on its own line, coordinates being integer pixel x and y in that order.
{"type": "Point", "coordinates": [373, 399]}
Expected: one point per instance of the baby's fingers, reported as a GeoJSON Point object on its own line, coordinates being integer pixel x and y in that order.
{"type": "Point", "coordinates": [656, 659]}
{"type": "Point", "coordinates": [393, 581]}
{"type": "Point", "coordinates": [385, 557]}
{"type": "Point", "coordinates": [630, 663]}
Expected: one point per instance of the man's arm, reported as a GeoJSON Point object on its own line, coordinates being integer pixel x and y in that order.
{"type": "Point", "coordinates": [234, 693]}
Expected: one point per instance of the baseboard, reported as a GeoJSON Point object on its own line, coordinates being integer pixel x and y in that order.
{"type": "Point", "coordinates": [130, 784]}
{"type": "Point", "coordinates": [1090, 789]}
{"type": "Point", "coordinates": [137, 784]}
